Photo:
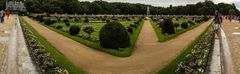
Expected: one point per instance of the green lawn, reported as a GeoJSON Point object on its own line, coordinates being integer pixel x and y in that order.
{"type": "Point", "coordinates": [179, 31]}
{"type": "Point", "coordinates": [60, 59]}
{"type": "Point", "coordinates": [96, 25]}
{"type": "Point", "coordinates": [121, 53]}
{"type": "Point", "coordinates": [172, 66]}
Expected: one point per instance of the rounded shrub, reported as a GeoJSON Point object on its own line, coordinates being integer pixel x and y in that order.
{"type": "Point", "coordinates": [184, 25]}
{"type": "Point", "coordinates": [88, 29]}
{"type": "Point", "coordinates": [130, 30]}
{"type": "Point", "coordinates": [59, 27]}
{"type": "Point", "coordinates": [114, 35]}
{"type": "Point", "coordinates": [191, 22]}
{"type": "Point", "coordinates": [65, 20]}
{"type": "Point", "coordinates": [47, 22]}
{"type": "Point", "coordinates": [86, 20]}
{"type": "Point", "coordinates": [133, 25]}
{"type": "Point", "coordinates": [67, 23]}
{"type": "Point", "coordinates": [76, 19]}
{"type": "Point", "coordinates": [176, 25]}
{"type": "Point", "coordinates": [107, 21]}
{"type": "Point", "coordinates": [168, 27]}
{"type": "Point", "coordinates": [74, 29]}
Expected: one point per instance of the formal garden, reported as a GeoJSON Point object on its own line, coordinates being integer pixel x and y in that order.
{"type": "Point", "coordinates": [106, 36]}
{"type": "Point", "coordinates": [167, 28]}
{"type": "Point", "coordinates": [90, 29]}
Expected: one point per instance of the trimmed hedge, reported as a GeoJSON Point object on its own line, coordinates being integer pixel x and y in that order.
{"type": "Point", "coordinates": [184, 25]}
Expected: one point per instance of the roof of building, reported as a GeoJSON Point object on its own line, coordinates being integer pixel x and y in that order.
{"type": "Point", "coordinates": [13, 5]}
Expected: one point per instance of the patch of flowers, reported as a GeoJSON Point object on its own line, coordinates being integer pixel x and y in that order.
{"type": "Point", "coordinates": [196, 61]}
{"type": "Point", "coordinates": [43, 61]}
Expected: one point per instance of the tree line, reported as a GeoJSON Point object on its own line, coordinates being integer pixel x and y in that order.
{"type": "Point", "coordinates": [103, 7]}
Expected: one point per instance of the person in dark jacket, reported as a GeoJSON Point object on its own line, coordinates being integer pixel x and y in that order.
{"type": "Point", "coordinates": [217, 23]}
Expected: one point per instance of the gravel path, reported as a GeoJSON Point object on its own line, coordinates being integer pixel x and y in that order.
{"type": "Point", "coordinates": [233, 41]}
{"type": "Point", "coordinates": [148, 57]}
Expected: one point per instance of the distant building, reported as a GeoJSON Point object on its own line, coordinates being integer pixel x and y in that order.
{"type": "Point", "coordinates": [15, 6]}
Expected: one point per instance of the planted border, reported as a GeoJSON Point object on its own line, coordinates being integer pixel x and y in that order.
{"type": "Point", "coordinates": [162, 38]}
{"type": "Point", "coordinates": [173, 66]}
{"type": "Point", "coordinates": [60, 61]}
{"type": "Point", "coordinates": [120, 53]}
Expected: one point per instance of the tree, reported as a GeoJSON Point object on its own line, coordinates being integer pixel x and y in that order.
{"type": "Point", "coordinates": [88, 29]}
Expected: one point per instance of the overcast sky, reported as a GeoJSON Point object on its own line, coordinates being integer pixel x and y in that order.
{"type": "Point", "coordinates": [165, 3]}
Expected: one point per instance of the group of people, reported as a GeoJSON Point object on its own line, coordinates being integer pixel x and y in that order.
{"type": "Point", "coordinates": [3, 14]}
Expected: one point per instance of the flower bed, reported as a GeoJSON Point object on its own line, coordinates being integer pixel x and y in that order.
{"type": "Point", "coordinates": [196, 61]}
{"type": "Point", "coordinates": [44, 62]}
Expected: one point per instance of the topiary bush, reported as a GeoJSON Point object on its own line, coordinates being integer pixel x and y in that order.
{"type": "Point", "coordinates": [47, 22]}
{"type": "Point", "coordinates": [114, 35]}
{"type": "Point", "coordinates": [86, 20]}
{"type": "Point", "coordinates": [59, 27]}
{"type": "Point", "coordinates": [74, 29]}
{"type": "Point", "coordinates": [67, 23]}
{"type": "Point", "coordinates": [65, 20]}
{"type": "Point", "coordinates": [88, 29]}
{"type": "Point", "coordinates": [168, 27]}
{"type": "Point", "coordinates": [191, 22]}
{"type": "Point", "coordinates": [176, 25]}
{"type": "Point", "coordinates": [130, 30]}
{"type": "Point", "coordinates": [133, 25]}
{"type": "Point", "coordinates": [184, 25]}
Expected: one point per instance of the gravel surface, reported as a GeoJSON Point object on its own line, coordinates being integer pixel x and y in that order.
{"type": "Point", "coordinates": [233, 41]}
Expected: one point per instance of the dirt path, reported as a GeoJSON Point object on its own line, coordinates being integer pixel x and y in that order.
{"type": "Point", "coordinates": [233, 41]}
{"type": "Point", "coordinates": [148, 57]}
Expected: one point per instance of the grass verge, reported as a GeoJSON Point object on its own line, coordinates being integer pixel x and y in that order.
{"type": "Point", "coordinates": [172, 66]}
{"type": "Point", "coordinates": [61, 60]}
{"type": "Point", "coordinates": [163, 38]}
{"type": "Point", "coordinates": [123, 53]}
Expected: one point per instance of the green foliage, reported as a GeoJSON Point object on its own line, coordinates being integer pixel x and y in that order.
{"type": "Point", "coordinates": [47, 22]}
{"type": "Point", "coordinates": [184, 25]}
{"type": "Point", "coordinates": [176, 25]}
{"type": "Point", "coordinates": [130, 30]}
{"type": "Point", "coordinates": [168, 27]}
{"type": "Point", "coordinates": [61, 60]}
{"type": "Point", "coordinates": [86, 20]}
{"type": "Point", "coordinates": [67, 23]}
{"type": "Point", "coordinates": [88, 29]}
{"type": "Point", "coordinates": [59, 27]}
{"type": "Point", "coordinates": [74, 29]}
{"type": "Point", "coordinates": [114, 35]}
{"type": "Point", "coordinates": [103, 7]}
{"type": "Point", "coordinates": [196, 61]}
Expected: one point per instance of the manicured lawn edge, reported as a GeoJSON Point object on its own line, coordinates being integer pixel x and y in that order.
{"type": "Point", "coordinates": [123, 53]}
{"type": "Point", "coordinates": [173, 65]}
{"type": "Point", "coordinates": [162, 38]}
{"type": "Point", "coordinates": [60, 59]}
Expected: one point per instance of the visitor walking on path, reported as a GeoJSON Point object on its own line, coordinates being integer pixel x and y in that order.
{"type": "Point", "coordinates": [2, 14]}
{"type": "Point", "coordinates": [217, 23]}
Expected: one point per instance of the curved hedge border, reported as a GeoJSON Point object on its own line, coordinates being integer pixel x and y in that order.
{"type": "Point", "coordinates": [196, 61]}
{"type": "Point", "coordinates": [44, 62]}
{"type": "Point", "coordinates": [172, 67]}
